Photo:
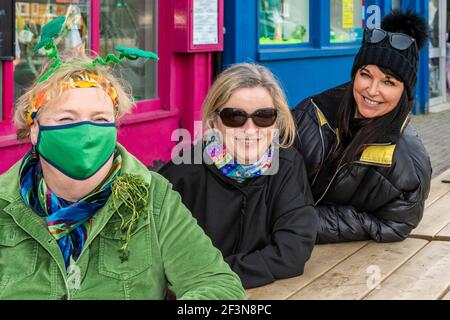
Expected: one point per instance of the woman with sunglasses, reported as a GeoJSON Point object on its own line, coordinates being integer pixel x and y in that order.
{"type": "Point", "coordinates": [369, 171]}
{"type": "Point", "coordinates": [250, 193]}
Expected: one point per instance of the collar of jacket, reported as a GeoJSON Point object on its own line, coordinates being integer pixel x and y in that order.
{"type": "Point", "coordinates": [381, 152]}
{"type": "Point", "coordinates": [250, 183]}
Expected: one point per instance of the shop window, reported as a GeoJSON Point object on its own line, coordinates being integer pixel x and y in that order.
{"type": "Point", "coordinates": [30, 17]}
{"type": "Point", "coordinates": [284, 21]}
{"type": "Point", "coordinates": [346, 24]}
{"type": "Point", "coordinates": [396, 4]}
{"type": "Point", "coordinates": [132, 23]}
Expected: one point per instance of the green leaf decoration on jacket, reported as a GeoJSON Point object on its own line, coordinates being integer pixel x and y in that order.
{"type": "Point", "coordinates": [133, 192]}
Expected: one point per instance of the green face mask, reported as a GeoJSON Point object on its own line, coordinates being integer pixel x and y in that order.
{"type": "Point", "coordinates": [79, 150]}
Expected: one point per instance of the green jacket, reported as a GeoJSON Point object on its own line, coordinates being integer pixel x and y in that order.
{"type": "Point", "coordinates": [167, 249]}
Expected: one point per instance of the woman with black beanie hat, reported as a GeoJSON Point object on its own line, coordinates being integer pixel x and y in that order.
{"type": "Point", "coordinates": [369, 172]}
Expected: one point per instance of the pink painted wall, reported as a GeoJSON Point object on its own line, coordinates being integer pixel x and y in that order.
{"type": "Point", "coordinates": [183, 82]}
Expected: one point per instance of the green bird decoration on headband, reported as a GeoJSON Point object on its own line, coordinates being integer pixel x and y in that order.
{"type": "Point", "coordinates": [52, 30]}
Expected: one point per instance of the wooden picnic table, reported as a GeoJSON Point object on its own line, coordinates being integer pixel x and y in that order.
{"type": "Point", "coordinates": [416, 268]}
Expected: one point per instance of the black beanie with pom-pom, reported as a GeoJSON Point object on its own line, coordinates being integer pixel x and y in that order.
{"type": "Point", "coordinates": [403, 63]}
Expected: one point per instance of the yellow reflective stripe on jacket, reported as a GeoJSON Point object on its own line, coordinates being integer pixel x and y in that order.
{"type": "Point", "coordinates": [376, 154]}
{"type": "Point", "coordinates": [322, 120]}
{"type": "Point", "coordinates": [379, 154]}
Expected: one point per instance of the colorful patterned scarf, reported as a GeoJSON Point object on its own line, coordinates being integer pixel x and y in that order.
{"type": "Point", "coordinates": [68, 222]}
{"type": "Point", "coordinates": [228, 167]}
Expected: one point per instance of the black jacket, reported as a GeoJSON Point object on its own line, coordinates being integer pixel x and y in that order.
{"type": "Point", "coordinates": [379, 197]}
{"type": "Point", "coordinates": [266, 228]}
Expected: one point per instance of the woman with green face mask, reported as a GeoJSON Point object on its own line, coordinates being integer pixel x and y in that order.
{"type": "Point", "coordinates": [80, 217]}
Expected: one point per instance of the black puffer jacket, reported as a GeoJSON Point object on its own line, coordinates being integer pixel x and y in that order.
{"type": "Point", "coordinates": [266, 228]}
{"type": "Point", "coordinates": [379, 197]}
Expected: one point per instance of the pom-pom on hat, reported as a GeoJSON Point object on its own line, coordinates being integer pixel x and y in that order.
{"type": "Point", "coordinates": [403, 63]}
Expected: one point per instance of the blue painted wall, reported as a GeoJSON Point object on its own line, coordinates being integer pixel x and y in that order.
{"type": "Point", "coordinates": [306, 69]}
{"type": "Point", "coordinates": [302, 78]}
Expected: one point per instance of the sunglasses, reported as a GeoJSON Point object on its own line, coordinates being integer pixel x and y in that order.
{"type": "Point", "coordinates": [234, 117]}
{"type": "Point", "coordinates": [398, 41]}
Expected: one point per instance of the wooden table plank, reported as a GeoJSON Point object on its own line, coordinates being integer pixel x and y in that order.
{"type": "Point", "coordinates": [444, 234]}
{"type": "Point", "coordinates": [435, 218]}
{"type": "Point", "coordinates": [355, 277]}
{"type": "Point", "coordinates": [438, 189]}
{"type": "Point", "coordinates": [424, 276]}
{"type": "Point", "coordinates": [323, 258]}
{"type": "Point", "coordinates": [447, 296]}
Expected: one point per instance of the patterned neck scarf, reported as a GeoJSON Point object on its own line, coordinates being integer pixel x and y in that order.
{"type": "Point", "coordinates": [68, 222]}
{"type": "Point", "coordinates": [225, 163]}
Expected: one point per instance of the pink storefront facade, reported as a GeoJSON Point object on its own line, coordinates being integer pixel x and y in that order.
{"type": "Point", "coordinates": [183, 76]}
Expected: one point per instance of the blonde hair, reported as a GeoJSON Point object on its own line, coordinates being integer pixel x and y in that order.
{"type": "Point", "coordinates": [53, 88]}
{"type": "Point", "coordinates": [246, 75]}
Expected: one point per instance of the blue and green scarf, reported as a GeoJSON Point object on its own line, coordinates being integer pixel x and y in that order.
{"type": "Point", "coordinates": [68, 222]}
{"type": "Point", "coordinates": [225, 163]}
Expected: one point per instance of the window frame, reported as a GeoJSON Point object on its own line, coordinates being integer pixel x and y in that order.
{"type": "Point", "coordinates": [7, 130]}
{"type": "Point", "coordinates": [282, 46]}
{"type": "Point", "coordinates": [1, 91]}
{"type": "Point", "coordinates": [354, 43]}
{"type": "Point", "coordinates": [147, 109]}
{"type": "Point", "coordinates": [319, 38]}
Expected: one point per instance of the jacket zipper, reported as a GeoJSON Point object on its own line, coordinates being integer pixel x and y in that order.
{"type": "Point", "coordinates": [342, 166]}
{"type": "Point", "coordinates": [345, 164]}
{"type": "Point", "coordinates": [329, 184]}
{"type": "Point", "coordinates": [67, 295]}
{"type": "Point", "coordinates": [241, 225]}
{"type": "Point", "coordinates": [323, 146]}
{"type": "Point", "coordinates": [322, 159]}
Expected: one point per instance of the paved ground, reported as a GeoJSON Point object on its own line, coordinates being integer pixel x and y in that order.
{"type": "Point", "coordinates": [434, 130]}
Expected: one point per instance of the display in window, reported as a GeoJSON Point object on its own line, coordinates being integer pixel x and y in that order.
{"type": "Point", "coordinates": [346, 24]}
{"type": "Point", "coordinates": [131, 23]}
{"type": "Point", "coordinates": [31, 16]}
{"type": "Point", "coordinates": [284, 21]}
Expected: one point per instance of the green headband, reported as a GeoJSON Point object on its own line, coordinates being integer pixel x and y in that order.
{"type": "Point", "coordinates": [52, 30]}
